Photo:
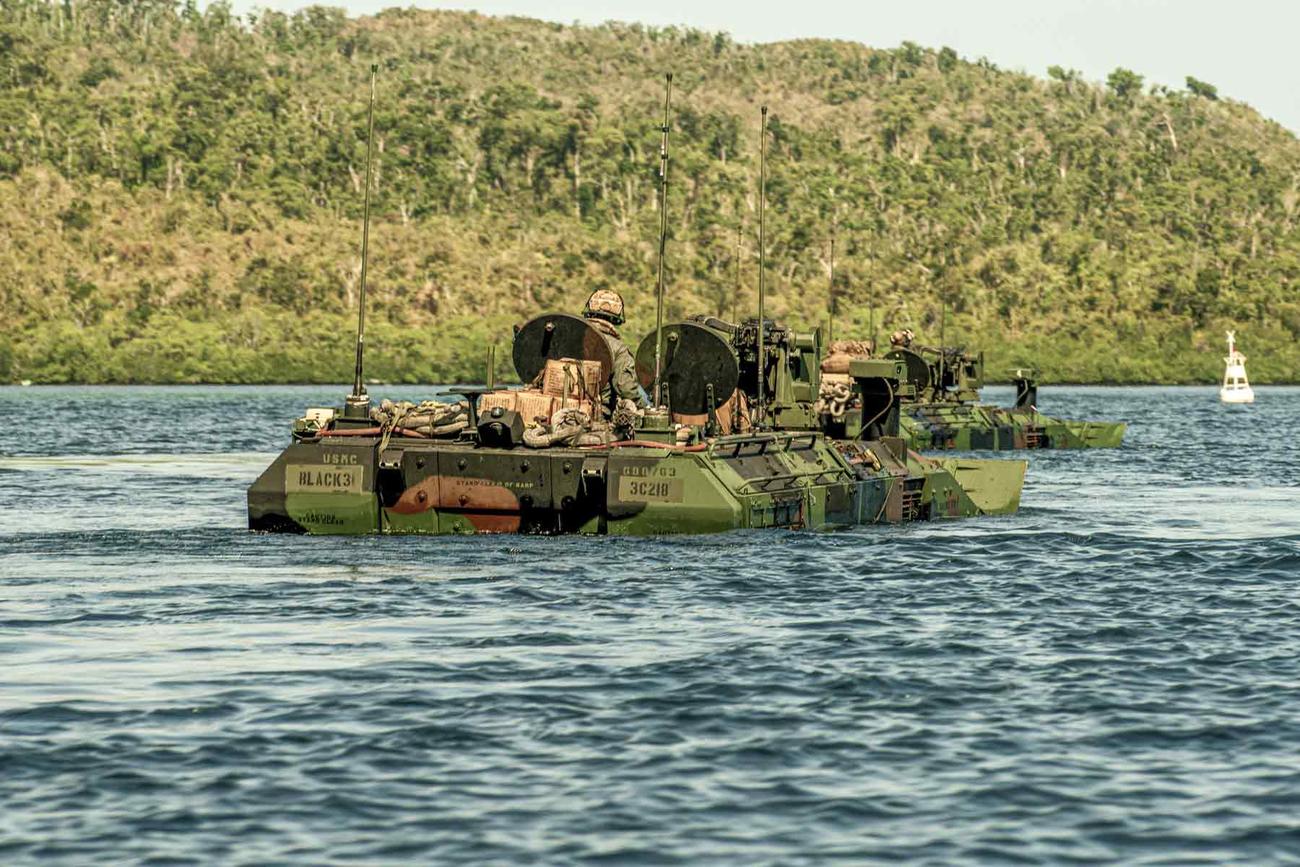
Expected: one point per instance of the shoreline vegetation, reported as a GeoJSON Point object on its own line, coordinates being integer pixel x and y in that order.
{"type": "Point", "coordinates": [371, 387]}
{"type": "Point", "coordinates": [180, 196]}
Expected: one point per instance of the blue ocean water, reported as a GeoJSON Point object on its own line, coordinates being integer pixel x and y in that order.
{"type": "Point", "coordinates": [1113, 675]}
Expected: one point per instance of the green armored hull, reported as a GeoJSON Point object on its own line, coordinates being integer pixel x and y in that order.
{"type": "Point", "coordinates": [943, 411]}
{"type": "Point", "coordinates": [966, 427]}
{"type": "Point", "coordinates": [360, 485]}
{"type": "Point", "coordinates": [550, 458]}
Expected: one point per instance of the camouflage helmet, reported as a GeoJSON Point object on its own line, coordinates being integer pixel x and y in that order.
{"type": "Point", "coordinates": [605, 304]}
{"type": "Point", "coordinates": [902, 338]}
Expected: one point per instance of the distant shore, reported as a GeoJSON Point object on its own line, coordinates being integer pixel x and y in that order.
{"type": "Point", "coordinates": [343, 387]}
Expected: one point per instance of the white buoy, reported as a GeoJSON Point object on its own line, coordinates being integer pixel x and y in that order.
{"type": "Point", "coordinates": [1235, 387]}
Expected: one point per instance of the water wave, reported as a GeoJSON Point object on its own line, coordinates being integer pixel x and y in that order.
{"type": "Point", "coordinates": [1107, 677]}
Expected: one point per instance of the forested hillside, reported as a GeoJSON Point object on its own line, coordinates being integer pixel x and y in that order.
{"type": "Point", "coordinates": [180, 195]}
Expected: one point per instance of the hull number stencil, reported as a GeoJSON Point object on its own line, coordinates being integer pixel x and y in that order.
{"type": "Point", "coordinates": [650, 490]}
{"type": "Point", "coordinates": [322, 479]}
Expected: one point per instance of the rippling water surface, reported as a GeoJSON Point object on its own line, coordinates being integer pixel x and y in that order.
{"type": "Point", "coordinates": [1111, 675]}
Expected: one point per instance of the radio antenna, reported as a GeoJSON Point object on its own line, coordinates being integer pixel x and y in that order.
{"type": "Point", "coordinates": [359, 401]}
{"type": "Point", "coordinates": [735, 297]}
{"type": "Point", "coordinates": [663, 238]}
{"type": "Point", "coordinates": [943, 350]}
{"type": "Point", "coordinates": [762, 261]}
{"type": "Point", "coordinates": [871, 307]}
{"type": "Point", "coordinates": [830, 294]}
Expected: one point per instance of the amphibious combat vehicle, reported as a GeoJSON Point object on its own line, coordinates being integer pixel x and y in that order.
{"type": "Point", "coordinates": [736, 437]}
{"type": "Point", "coordinates": [549, 458]}
{"type": "Point", "coordinates": [942, 410]}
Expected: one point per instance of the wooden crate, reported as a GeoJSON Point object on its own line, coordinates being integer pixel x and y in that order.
{"type": "Point", "coordinates": [582, 378]}
{"type": "Point", "coordinates": [531, 404]}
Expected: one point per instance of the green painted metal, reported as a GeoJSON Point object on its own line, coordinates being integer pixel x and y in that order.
{"type": "Point", "coordinates": [943, 411]}
{"type": "Point", "coordinates": [803, 470]}
{"type": "Point", "coordinates": [974, 427]}
{"type": "Point", "coordinates": [776, 479]}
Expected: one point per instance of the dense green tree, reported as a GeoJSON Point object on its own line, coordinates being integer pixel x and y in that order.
{"type": "Point", "coordinates": [1124, 83]}
{"type": "Point", "coordinates": [1202, 88]}
{"type": "Point", "coordinates": [180, 192]}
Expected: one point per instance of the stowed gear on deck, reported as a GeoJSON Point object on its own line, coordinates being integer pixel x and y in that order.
{"type": "Point", "coordinates": [552, 457]}
{"type": "Point", "coordinates": [430, 418]}
{"type": "Point", "coordinates": [568, 364]}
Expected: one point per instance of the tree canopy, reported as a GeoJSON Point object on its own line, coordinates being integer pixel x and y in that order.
{"type": "Point", "coordinates": [180, 190]}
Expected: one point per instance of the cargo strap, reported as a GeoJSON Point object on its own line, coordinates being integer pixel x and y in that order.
{"type": "Point", "coordinates": [430, 418]}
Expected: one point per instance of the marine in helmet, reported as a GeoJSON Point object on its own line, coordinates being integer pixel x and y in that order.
{"type": "Point", "coordinates": [604, 310]}
{"type": "Point", "coordinates": [902, 339]}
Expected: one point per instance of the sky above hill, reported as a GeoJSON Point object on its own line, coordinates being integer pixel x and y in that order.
{"type": "Point", "coordinates": [1244, 47]}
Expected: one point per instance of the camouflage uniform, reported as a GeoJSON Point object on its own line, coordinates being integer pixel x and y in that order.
{"type": "Point", "coordinates": [623, 376]}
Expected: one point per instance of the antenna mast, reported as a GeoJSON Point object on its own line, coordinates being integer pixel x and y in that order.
{"type": "Point", "coordinates": [359, 402]}
{"type": "Point", "coordinates": [762, 259]}
{"type": "Point", "coordinates": [663, 238]}
{"type": "Point", "coordinates": [735, 296]}
{"type": "Point", "coordinates": [943, 350]}
{"type": "Point", "coordinates": [871, 309]}
{"type": "Point", "coordinates": [830, 295]}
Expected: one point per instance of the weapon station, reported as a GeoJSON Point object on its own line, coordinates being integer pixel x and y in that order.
{"type": "Point", "coordinates": [941, 408]}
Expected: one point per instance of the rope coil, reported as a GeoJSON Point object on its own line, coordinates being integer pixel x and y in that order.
{"type": "Point", "coordinates": [833, 399]}
{"type": "Point", "coordinates": [428, 418]}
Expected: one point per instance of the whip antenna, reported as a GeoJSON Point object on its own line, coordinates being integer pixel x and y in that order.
{"type": "Point", "coordinates": [359, 398]}
{"type": "Point", "coordinates": [943, 350]}
{"type": "Point", "coordinates": [663, 237]}
{"type": "Point", "coordinates": [830, 296]}
{"type": "Point", "coordinates": [871, 308]}
{"type": "Point", "coordinates": [762, 260]}
{"type": "Point", "coordinates": [740, 249]}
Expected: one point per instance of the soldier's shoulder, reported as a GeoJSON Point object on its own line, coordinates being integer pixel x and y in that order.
{"type": "Point", "coordinates": [604, 327]}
